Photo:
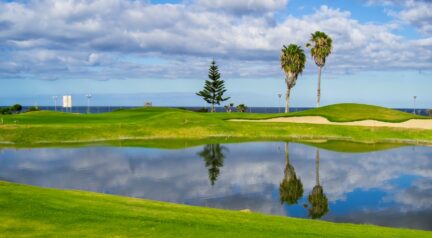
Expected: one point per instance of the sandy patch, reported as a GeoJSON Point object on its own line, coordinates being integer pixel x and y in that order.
{"type": "Point", "coordinates": [413, 123]}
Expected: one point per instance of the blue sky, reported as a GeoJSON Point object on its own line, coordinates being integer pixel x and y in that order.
{"type": "Point", "coordinates": [128, 52]}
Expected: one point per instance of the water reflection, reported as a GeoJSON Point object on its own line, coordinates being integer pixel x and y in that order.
{"type": "Point", "coordinates": [391, 187]}
{"type": "Point", "coordinates": [291, 187]}
{"type": "Point", "coordinates": [318, 202]}
{"type": "Point", "coordinates": [213, 155]}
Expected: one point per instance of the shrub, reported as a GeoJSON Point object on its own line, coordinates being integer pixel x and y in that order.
{"type": "Point", "coordinates": [241, 108]}
{"type": "Point", "coordinates": [33, 109]}
{"type": "Point", "coordinates": [16, 108]}
{"type": "Point", "coordinates": [5, 111]}
{"type": "Point", "coordinates": [203, 109]}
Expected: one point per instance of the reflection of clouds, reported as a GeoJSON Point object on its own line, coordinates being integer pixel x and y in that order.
{"type": "Point", "coordinates": [249, 179]}
{"type": "Point", "coordinates": [395, 218]}
{"type": "Point", "coordinates": [418, 196]}
{"type": "Point", "coordinates": [342, 172]}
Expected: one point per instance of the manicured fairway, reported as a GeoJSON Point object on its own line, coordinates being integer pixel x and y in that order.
{"type": "Point", "coordinates": [44, 127]}
{"type": "Point", "coordinates": [38, 212]}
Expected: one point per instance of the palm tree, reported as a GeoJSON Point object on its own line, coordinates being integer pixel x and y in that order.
{"type": "Point", "coordinates": [291, 187]}
{"type": "Point", "coordinates": [292, 61]}
{"type": "Point", "coordinates": [317, 199]}
{"type": "Point", "coordinates": [322, 47]}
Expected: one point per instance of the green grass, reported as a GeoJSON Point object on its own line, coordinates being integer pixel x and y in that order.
{"type": "Point", "coordinates": [164, 123]}
{"type": "Point", "coordinates": [38, 212]}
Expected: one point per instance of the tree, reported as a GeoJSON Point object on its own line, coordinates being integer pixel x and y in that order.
{"type": "Point", "coordinates": [321, 48]}
{"type": "Point", "coordinates": [291, 187]}
{"type": "Point", "coordinates": [317, 199]}
{"type": "Point", "coordinates": [214, 88]}
{"type": "Point", "coordinates": [214, 158]}
{"type": "Point", "coordinates": [16, 108]}
{"type": "Point", "coordinates": [292, 62]}
{"type": "Point", "coordinates": [228, 107]}
{"type": "Point", "coordinates": [241, 108]}
{"type": "Point", "coordinates": [430, 112]}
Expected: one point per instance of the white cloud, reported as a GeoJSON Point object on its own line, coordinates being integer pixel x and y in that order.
{"type": "Point", "coordinates": [244, 6]}
{"type": "Point", "coordinates": [68, 37]}
{"type": "Point", "coordinates": [419, 14]}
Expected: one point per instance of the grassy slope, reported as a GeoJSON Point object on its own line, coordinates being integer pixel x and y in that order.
{"type": "Point", "coordinates": [344, 112]}
{"type": "Point", "coordinates": [163, 123]}
{"type": "Point", "coordinates": [27, 210]}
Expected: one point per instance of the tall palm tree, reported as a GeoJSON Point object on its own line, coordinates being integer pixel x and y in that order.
{"type": "Point", "coordinates": [292, 61]}
{"type": "Point", "coordinates": [317, 199]}
{"type": "Point", "coordinates": [321, 48]}
{"type": "Point", "coordinates": [291, 187]}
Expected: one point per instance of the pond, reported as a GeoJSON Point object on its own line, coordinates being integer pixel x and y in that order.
{"type": "Point", "coordinates": [391, 187]}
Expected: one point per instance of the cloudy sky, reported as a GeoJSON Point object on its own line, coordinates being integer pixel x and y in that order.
{"type": "Point", "coordinates": [128, 52]}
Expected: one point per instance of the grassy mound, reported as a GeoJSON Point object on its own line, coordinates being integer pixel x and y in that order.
{"type": "Point", "coordinates": [38, 212]}
{"type": "Point", "coordinates": [347, 112]}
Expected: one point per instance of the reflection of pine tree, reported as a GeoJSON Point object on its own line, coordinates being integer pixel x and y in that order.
{"type": "Point", "coordinates": [317, 199]}
{"type": "Point", "coordinates": [214, 158]}
{"type": "Point", "coordinates": [291, 187]}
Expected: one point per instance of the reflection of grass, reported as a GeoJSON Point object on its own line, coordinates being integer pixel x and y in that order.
{"type": "Point", "coordinates": [31, 211]}
{"type": "Point", "coordinates": [352, 147]}
{"type": "Point", "coordinates": [337, 146]}
{"type": "Point", "coordinates": [164, 123]}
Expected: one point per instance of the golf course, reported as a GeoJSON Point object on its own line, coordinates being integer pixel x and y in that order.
{"type": "Point", "coordinates": [50, 212]}
{"type": "Point", "coordinates": [46, 127]}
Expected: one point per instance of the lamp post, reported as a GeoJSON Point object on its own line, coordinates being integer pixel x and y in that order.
{"type": "Point", "coordinates": [55, 102]}
{"type": "Point", "coordinates": [280, 96]}
{"type": "Point", "coordinates": [415, 97]}
{"type": "Point", "coordinates": [88, 102]}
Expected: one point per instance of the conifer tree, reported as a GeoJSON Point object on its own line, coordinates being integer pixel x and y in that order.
{"type": "Point", "coordinates": [214, 88]}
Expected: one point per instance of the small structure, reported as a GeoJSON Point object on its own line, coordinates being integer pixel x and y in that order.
{"type": "Point", "coordinates": [67, 102]}
{"type": "Point", "coordinates": [148, 104]}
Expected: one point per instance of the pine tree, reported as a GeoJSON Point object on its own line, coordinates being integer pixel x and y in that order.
{"type": "Point", "coordinates": [214, 88]}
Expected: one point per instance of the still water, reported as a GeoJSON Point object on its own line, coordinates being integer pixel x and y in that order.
{"type": "Point", "coordinates": [390, 187]}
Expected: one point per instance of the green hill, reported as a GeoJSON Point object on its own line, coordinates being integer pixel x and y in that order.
{"type": "Point", "coordinates": [347, 112]}
{"type": "Point", "coordinates": [344, 112]}
{"type": "Point", "coordinates": [38, 212]}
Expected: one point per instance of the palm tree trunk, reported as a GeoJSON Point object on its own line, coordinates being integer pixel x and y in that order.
{"type": "Point", "coordinates": [319, 86]}
{"type": "Point", "coordinates": [287, 96]}
{"type": "Point", "coordinates": [213, 108]}
{"type": "Point", "coordinates": [317, 159]}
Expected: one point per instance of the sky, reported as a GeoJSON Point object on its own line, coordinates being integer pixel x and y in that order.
{"type": "Point", "coordinates": [126, 53]}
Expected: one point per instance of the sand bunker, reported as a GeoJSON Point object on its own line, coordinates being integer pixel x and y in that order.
{"type": "Point", "coordinates": [413, 123]}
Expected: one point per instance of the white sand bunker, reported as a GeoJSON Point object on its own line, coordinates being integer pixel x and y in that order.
{"type": "Point", "coordinates": [413, 123]}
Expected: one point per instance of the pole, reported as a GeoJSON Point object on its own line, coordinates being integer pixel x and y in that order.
{"type": "Point", "coordinates": [280, 96]}
{"type": "Point", "coordinates": [55, 102]}
{"type": "Point", "coordinates": [88, 102]}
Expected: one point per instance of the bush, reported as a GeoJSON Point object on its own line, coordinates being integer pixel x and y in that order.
{"type": "Point", "coordinates": [5, 111]}
{"type": "Point", "coordinates": [203, 109]}
{"type": "Point", "coordinates": [241, 108]}
{"type": "Point", "coordinates": [16, 108]}
{"type": "Point", "coordinates": [33, 109]}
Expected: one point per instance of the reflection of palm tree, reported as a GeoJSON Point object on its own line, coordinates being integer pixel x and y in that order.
{"type": "Point", "coordinates": [317, 199]}
{"type": "Point", "coordinates": [291, 187]}
{"type": "Point", "coordinates": [214, 158]}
